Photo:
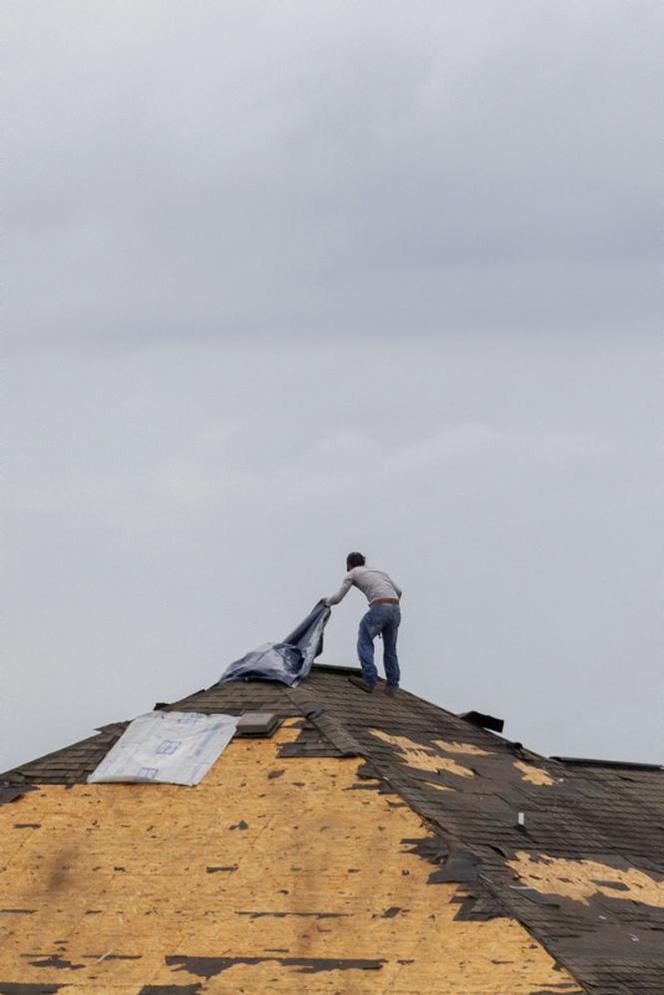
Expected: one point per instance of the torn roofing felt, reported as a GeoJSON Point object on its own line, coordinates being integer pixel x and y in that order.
{"type": "Point", "coordinates": [288, 661]}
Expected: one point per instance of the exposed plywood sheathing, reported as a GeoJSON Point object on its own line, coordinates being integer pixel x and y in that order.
{"type": "Point", "coordinates": [439, 787]}
{"type": "Point", "coordinates": [468, 748]}
{"type": "Point", "coordinates": [581, 879]}
{"type": "Point", "coordinates": [271, 875]}
{"type": "Point", "coordinates": [420, 758]}
{"type": "Point", "coordinates": [533, 774]}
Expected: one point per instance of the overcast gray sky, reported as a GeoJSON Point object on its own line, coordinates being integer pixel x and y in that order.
{"type": "Point", "coordinates": [288, 279]}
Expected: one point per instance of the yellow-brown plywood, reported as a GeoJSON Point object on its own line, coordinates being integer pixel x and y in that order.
{"type": "Point", "coordinates": [439, 787]}
{"type": "Point", "coordinates": [533, 774]}
{"type": "Point", "coordinates": [273, 875]}
{"type": "Point", "coordinates": [422, 758]}
{"type": "Point", "coordinates": [581, 879]}
{"type": "Point", "coordinates": [468, 748]}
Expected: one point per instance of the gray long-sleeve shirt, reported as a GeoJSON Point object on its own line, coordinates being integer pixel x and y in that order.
{"type": "Point", "coordinates": [373, 583]}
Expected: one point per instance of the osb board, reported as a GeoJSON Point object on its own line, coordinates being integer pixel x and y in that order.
{"type": "Point", "coordinates": [582, 880]}
{"type": "Point", "coordinates": [271, 876]}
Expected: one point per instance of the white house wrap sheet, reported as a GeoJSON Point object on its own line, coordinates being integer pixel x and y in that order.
{"type": "Point", "coordinates": [167, 747]}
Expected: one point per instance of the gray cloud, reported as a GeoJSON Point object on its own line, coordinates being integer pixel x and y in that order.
{"type": "Point", "coordinates": [286, 280]}
{"type": "Point", "coordinates": [223, 171]}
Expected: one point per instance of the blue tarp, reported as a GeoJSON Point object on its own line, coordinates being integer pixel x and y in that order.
{"type": "Point", "coordinates": [288, 661]}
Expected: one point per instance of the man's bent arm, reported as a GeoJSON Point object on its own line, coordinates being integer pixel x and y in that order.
{"type": "Point", "coordinates": [342, 592]}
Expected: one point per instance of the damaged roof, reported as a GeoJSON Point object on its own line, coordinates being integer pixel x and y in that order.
{"type": "Point", "coordinates": [571, 851]}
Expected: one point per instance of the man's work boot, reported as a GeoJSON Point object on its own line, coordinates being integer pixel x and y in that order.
{"type": "Point", "coordinates": [359, 683]}
{"type": "Point", "coordinates": [391, 689]}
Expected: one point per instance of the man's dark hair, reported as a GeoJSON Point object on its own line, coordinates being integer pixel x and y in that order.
{"type": "Point", "coordinates": [354, 560]}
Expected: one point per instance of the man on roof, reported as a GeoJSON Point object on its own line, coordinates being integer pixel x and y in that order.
{"type": "Point", "coordinates": [383, 618]}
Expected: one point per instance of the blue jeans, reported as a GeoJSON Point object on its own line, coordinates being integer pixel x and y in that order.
{"type": "Point", "coordinates": [383, 619]}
